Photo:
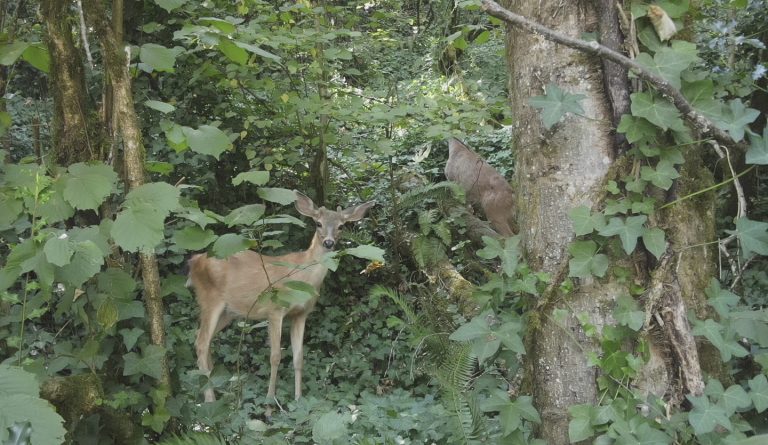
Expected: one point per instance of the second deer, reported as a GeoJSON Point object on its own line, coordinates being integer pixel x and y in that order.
{"type": "Point", "coordinates": [483, 185]}
{"type": "Point", "coordinates": [239, 287]}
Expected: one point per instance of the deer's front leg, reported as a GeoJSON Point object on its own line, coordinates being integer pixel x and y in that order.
{"type": "Point", "coordinates": [275, 332]}
{"type": "Point", "coordinates": [297, 347]}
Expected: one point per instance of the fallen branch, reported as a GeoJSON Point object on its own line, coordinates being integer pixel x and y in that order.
{"type": "Point", "coordinates": [704, 126]}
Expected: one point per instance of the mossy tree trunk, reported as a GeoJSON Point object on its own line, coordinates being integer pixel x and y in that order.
{"type": "Point", "coordinates": [567, 166]}
{"type": "Point", "coordinates": [115, 65]}
{"type": "Point", "coordinates": [77, 134]}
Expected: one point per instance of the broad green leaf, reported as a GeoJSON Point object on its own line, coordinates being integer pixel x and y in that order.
{"type": "Point", "coordinates": [85, 263]}
{"type": "Point", "coordinates": [9, 52]}
{"type": "Point", "coordinates": [701, 95]}
{"type": "Point", "coordinates": [170, 5]}
{"type": "Point", "coordinates": [193, 238]}
{"type": "Point", "coordinates": [758, 148]}
{"type": "Point", "coordinates": [367, 252]}
{"type": "Point", "coordinates": [510, 256]}
{"type": "Point", "coordinates": [224, 26]}
{"type": "Point", "coordinates": [59, 250]}
{"type": "Point", "coordinates": [160, 196]}
{"type": "Point", "coordinates": [207, 140]}
{"type": "Point", "coordinates": [233, 52]}
{"type": "Point", "coordinates": [245, 215]}
{"type": "Point", "coordinates": [330, 427]}
{"type": "Point", "coordinates": [258, 51]}
{"type": "Point", "coordinates": [150, 362]}
{"type": "Point", "coordinates": [107, 314]}
{"type": "Point", "coordinates": [555, 104]}
{"type": "Point", "coordinates": [55, 208]}
{"type": "Point", "coordinates": [116, 283]}
{"type": "Point", "coordinates": [138, 228]}
{"type": "Point", "coordinates": [759, 392]}
{"type": "Point", "coordinates": [159, 57]}
{"type": "Point", "coordinates": [37, 55]}
{"type": "Point", "coordinates": [491, 250]}
{"type": "Point", "coordinates": [47, 427]}
{"type": "Point", "coordinates": [15, 380]}
{"type": "Point", "coordinates": [10, 210]}
{"type": "Point", "coordinates": [586, 261]}
{"type": "Point", "coordinates": [229, 244]}
{"type": "Point", "coordinates": [752, 235]}
{"type": "Point", "coordinates": [654, 240]}
{"type": "Point", "coordinates": [163, 107]}
{"type": "Point", "coordinates": [201, 218]}
{"type": "Point", "coordinates": [296, 293]}
{"type": "Point", "coordinates": [658, 111]}
{"type": "Point", "coordinates": [131, 336]}
{"type": "Point", "coordinates": [87, 186]}
{"type": "Point", "coordinates": [482, 38]}
{"type": "Point", "coordinates": [662, 176]}
{"type": "Point", "coordinates": [476, 328]}
{"type": "Point", "coordinates": [670, 62]}
{"type": "Point", "coordinates": [713, 331]}
{"type": "Point", "coordinates": [628, 230]}
{"type": "Point", "coordinates": [254, 177]}
{"type": "Point", "coordinates": [278, 195]}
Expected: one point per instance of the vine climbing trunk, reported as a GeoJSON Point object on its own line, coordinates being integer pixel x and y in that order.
{"type": "Point", "coordinates": [319, 167]}
{"type": "Point", "coordinates": [133, 149]}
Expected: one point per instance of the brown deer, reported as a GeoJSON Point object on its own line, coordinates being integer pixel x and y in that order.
{"type": "Point", "coordinates": [240, 287]}
{"type": "Point", "coordinates": [483, 185]}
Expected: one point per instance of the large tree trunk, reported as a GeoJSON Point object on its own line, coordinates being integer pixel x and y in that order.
{"type": "Point", "coordinates": [567, 166]}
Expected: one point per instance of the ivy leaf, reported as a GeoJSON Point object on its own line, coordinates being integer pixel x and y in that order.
{"type": "Point", "coordinates": [491, 250]}
{"type": "Point", "coordinates": [245, 215]}
{"type": "Point", "coordinates": [586, 261]}
{"type": "Point", "coordinates": [88, 185]}
{"type": "Point", "coordinates": [555, 104]}
{"type": "Point", "coordinates": [159, 57]}
{"type": "Point", "coordinates": [628, 230]}
{"type": "Point", "coordinates": [627, 313]}
{"type": "Point", "coordinates": [736, 118]}
{"type": "Point", "coordinates": [229, 244]}
{"type": "Point", "coordinates": [254, 177]}
{"type": "Point", "coordinates": [584, 221]}
{"type": "Point", "coordinates": [636, 129]}
{"type": "Point", "coordinates": [670, 62]}
{"type": "Point", "coordinates": [580, 426]}
{"type": "Point", "coordinates": [735, 398]}
{"type": "Point", "coordinates": [207, 140]}
{"type": "Point", "coordinates": [720, 299]}
{"type": "Point", "coordinates": [658, 111]}
{"type": "Point", "coordinates": [367, 252]}
{"type": "Point", "coordinates": [654, 241]}
{"type": "Point", "coordinates": [194, 238]}
{"type": "Point", "coordinates": [758, 149]}
{"type": "Point", "coordinates": [712, 330]}
{"type": "Point", "coordinates": [278, 195]}
{"type": "Point", "coordinates": [662, 176]}
{"type": "Point", "coordinates": [510, 256]}
{"type": "Point", "coordinates": [148, 363]}
{"type": "Point", "coordinates": [701, 95]}
{"type": "Point", "coordinates": [705, 417]}
{"type": "Point", "coordinates": [753, 236]}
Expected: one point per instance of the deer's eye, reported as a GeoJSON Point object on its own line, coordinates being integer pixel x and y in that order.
{"type": "Point", "coordinates": [318, 224]}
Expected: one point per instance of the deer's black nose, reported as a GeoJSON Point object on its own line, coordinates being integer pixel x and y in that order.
{"type": "Point", "coordinates": [328, 244]}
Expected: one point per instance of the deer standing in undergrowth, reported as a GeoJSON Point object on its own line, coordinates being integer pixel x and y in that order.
{"type": "Point", "coordinates": [484, 186]}
{"type": "Point", "coordinates": [247, 285]}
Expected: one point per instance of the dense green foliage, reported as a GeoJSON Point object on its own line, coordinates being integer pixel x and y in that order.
{"type": "Point", "coordinates": [236, 99]}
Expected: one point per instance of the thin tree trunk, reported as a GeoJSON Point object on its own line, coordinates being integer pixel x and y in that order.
{"type": "Point", "coordinates": [130, 130]}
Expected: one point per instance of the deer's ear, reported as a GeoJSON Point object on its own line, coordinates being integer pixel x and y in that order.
{"type": "Point", "coordinates": [304, 205]}
{"type": "Point", "coordinates": [357, 212]}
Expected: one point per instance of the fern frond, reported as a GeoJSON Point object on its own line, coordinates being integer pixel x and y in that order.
{"type": "Point", "coordinates": [426, 219]}
{"type": "Point", "coordinates": [410, 314]}
{"type": "Point", "coordinates": [427, 250]}
{"type": "Point", "coordinates": [194, 439]}
{"type": "Point", "coordinates": [455, 375]}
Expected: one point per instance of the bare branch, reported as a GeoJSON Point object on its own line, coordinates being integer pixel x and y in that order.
{"type": "Point", "coordinates": [703, 125]}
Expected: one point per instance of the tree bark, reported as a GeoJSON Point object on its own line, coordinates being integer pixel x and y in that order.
{"type": "Point", "coordinates": [133, 148]}
{"type": "Point", "coordinates": [75, 139]}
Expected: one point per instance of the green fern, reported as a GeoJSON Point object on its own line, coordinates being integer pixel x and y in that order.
{"type": "Point", "coordinates": [440, 192]}
{"type": "Point", "coordinates": [195, 439]}
{"type": "Point", "coordinates": [426, 219]}
{"type": "Point", "coordinates": [427, 251]}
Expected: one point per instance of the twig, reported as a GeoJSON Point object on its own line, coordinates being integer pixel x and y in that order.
{"type": "Point", "coordinates": [703, 124]}
{"type": "Point", "coordinates": [83, 33]}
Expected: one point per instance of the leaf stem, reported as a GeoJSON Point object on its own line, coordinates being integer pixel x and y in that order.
{"type": "Point", "coordinates": [712, 187]}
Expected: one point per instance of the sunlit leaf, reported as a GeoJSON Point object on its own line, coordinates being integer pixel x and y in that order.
{"type": "Point", "coordinates": [278, 195]}
{"type": "Point", "coordinates": [229, 244]}
{"type": "Point", "coordinates": [367, 252]}
{"type": "Point", "coordinates": [159, 57]}
{"type": "Point", "coordinates": [654, 240]}
{"type": "Point", "coordinates": [207, 140]}
{"type": "Point", "coordinates": [658, 111]}
{"type": "Point", "coordinates": [256, 177]}
{"type": "Point", "coordinates": [88, 185]}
